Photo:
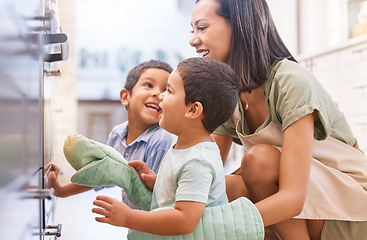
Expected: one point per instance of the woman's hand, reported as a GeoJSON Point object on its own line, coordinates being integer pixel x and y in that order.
{"type": "Point", "coordinates": [146, 174]}
{"type": "Point", "coordinates": [114, 211]}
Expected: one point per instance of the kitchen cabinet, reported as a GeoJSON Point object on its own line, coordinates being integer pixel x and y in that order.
{"type": "Point", "coordinates": [342, 71]}
{"type": "Point", "coordinates": [322, 24]}
{"type": "Point", "coordinates": [325, 67]}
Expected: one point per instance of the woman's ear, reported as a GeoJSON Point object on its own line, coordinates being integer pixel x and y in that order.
{"type": "Point", "coordinates": [124, 97]}
{"type": "Point", "coordinates": [195, 110]}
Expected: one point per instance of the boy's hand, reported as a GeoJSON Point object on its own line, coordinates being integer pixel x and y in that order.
{"type": "Point", "coordinates": [114, 211]}
{"type": "Point", "coordinates": [146, 174]}
{"type": "Point", "coordinates": [53, 167]}
{"type": "Point", "coordinates": [52, 176]}
{"type": "Point", "coordinates": [52, 172]}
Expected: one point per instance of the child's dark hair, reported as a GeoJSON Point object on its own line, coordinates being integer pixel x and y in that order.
{"type": "Point", "coordinates": [135, 73]}
{"type": "Point", "coordinates": [213, 84]}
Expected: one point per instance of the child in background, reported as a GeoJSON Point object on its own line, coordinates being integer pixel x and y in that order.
{"type": "Point", "coordinates": [201, 95]}
{"type": "Point", "coordinates": [140, 137]}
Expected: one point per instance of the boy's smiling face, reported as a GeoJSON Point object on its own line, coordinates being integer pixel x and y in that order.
{"type": "Point", "coordinates": [173, 104]}
{"type": "Point", "coordinates": [142, 102]}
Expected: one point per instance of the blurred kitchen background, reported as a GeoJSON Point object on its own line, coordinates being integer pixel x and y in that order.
{"type": "Point", "coordinates": [63, 64]}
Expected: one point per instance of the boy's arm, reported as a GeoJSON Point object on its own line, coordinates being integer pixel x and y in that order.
{"type": "Point", "coordinates": [180, 220]}
{"type": "Point", "coordinates": [70, 189]}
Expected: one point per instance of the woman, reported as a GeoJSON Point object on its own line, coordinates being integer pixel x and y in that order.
{"type": "Point", "coordinates": [302, 165]}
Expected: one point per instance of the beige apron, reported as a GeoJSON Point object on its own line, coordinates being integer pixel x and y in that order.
{"type": "Point", "coordinates": [337, 187]}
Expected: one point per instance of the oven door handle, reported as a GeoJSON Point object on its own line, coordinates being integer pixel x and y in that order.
{"type": "Point", "coordinates": [62, 40]}
{"type": "Point", "coordinates": [58, 230]}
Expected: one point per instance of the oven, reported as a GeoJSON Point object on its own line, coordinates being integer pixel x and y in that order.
{"type": "Point", "coordinates": [28, 38]}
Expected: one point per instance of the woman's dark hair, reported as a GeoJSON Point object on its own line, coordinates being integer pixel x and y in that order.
{"type": "Point", "coordinates": [135, 73]}
{"type": "Point", "coordinates": [212, 83]}
{"type": "Point", "coordinates": [255, 42]}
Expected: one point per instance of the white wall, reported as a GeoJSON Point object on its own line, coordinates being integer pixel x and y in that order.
{"type": "Point", "coordinates": [310, 26]}
{"type": "Point", "coordinates": [284, 13]}
{"type": "Point", "coordinates": [114, 36]}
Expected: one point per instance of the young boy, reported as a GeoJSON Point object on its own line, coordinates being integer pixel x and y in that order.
{"type": "Point", "coordinates": [201, 95]}
{"type": "Point", "coordinates": [140, 137]}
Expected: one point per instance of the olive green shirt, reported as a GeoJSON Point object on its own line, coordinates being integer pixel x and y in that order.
{"type": "Point", "coordinates": [291, 92]}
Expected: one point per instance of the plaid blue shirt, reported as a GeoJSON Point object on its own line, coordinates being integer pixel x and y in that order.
{"type": "Point", "coordinates": [150, 147]}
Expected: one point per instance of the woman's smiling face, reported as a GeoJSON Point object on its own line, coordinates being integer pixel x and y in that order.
{"type": "Point", "coordinates": [211, 32]}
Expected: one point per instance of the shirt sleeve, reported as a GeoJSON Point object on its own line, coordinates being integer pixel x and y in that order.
{"type": "Point", "coordinates": [294, 99]}
{"type": "Point", "coordinates": [195, 181]}
{"type": "Point", "coordinates": [296, 93]}
{"type": "Point", "coordinates": [228, 129]}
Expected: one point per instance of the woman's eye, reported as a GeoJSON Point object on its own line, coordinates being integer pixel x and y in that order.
{"type": "Point", "coordinates": [199, 29]}
{"type": "Point", "coordinates": [149, 85]}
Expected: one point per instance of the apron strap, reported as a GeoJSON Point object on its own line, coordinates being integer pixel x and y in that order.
{"type": "Point", "coordinates": [236, 115]}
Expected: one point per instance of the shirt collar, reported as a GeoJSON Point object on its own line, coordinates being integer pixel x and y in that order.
{"type": "Point", "coordinates": [122, 132]}
{"type": "Point", "coordinates": [147, 134]}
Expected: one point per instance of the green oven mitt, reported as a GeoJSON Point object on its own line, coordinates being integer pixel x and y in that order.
{"type": "Point", "coordinates": [237, 220]}
{"type": "Point", "coordinates": [98, 164]}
